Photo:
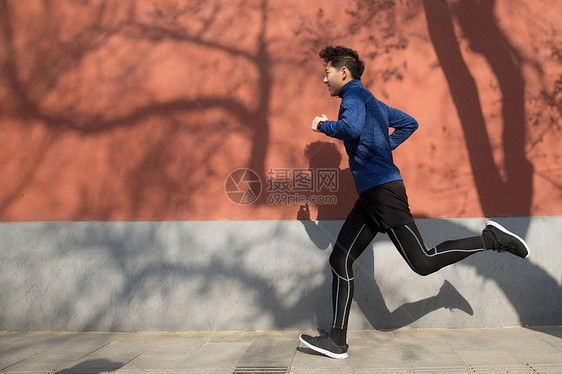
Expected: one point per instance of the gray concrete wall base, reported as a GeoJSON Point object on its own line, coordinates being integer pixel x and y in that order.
{"type": "Point", "coordinates": [262, 275]}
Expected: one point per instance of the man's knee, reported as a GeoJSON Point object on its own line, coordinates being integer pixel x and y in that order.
{"type": "Point", "coordinates": [338, 260]}
{"type": "Point", "coordinates": [422, 266]}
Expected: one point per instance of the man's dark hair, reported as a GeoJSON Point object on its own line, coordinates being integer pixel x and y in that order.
{"type": "Point", "coordinates": [341, 56]}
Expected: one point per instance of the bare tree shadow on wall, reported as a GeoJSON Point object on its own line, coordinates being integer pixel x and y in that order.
{"type": "Point", "coordinates": [124, 249]}
{"type": "Point", "coordinates": [35, 71]}
{"type": "Point", "coordinates": [141, 264]}
{"type": "Point", "coordinates": [498, 196]}
{"type": "Point", "coordinates": [477, 20]}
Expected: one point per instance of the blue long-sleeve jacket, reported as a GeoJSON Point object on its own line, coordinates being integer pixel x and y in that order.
{"type": "Point", "coordinates": [363, 125]}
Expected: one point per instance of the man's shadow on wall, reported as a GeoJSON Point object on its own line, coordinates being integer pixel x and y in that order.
{"type": "Point", "coordinates": [323, 233]}
{"type": "Point", "coordinates": [533, 308]}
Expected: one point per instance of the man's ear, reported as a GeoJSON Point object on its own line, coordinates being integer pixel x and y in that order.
{"type": "Point", "coordinates": [345, 72]}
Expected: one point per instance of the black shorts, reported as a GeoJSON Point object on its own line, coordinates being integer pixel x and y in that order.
{"type": "Point", "coordinates": [386, 206]}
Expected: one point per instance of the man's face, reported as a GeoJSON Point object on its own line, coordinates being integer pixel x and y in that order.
{"type": "Point", "coordinates": [334, 78]}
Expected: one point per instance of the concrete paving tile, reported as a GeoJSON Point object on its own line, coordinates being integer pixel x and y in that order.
{"type": "Point", "coordinates": [554, 331]}
{"type": "Point", "coordinates": [264, 369]}
{"type": "Point", "coordinates": [155, 352]}
{"type": "Point", "coordinates": [468, 340]}
{"type": "Point", "coordinates": [525, 345]}
{"type": "Point", "coordinates": [322, 370]}
{"type": "Point", "coordinates": [82, 344]}
{"type": "Point", "coordinates": [9, 359]}
{"type": "Point", "coordinates": [376, 351]}
{"type": "Point", "coordinates": [487, 357]}
{"type": "Point", "coordinates": [43, 362]}
{"type": "Point", "coordinates": [51, 362]}
{"type": "Point", "coordinates": [113, 355]}
{"type": "Point", "coordinates": [511, 338]}
{"type": "Point", "coordinates": [535, 356]}
{"type": "Point", "coordinates": [376, 358]}
{"type": "Point", "coordinates": [30, 346]}
{"type": "Point", "coordinates": [554, 368]}
{"type": "Point", "coordinates": [551, 335]}
{"type": "Point", "coordinates": [308, 361]}
{"type": "Point", "coordinates": [425, 348]}
{"type": "Point", "coordinates": [219, 356]}
{"type": "Point", "coordinates": [155, 362]}
{"type": "Point", "coordinates": [456, 369]}
{"type": "Point", "coordinates": [382, 370]}
{"type": "Point", "coordinates": [92, 366]}
{"type": "Point", "coordinates": [502, 368]}
{"type": "Point", "coordinates": [7, 338]}
{"type": "Point", "coordinates": [271, 350]}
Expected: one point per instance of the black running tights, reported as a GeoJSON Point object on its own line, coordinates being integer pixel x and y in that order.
{"type": "Point", "coordinates": [357, 233]}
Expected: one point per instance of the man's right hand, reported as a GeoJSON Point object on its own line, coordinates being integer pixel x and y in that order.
{"type": "Point", "coordinates": [316, 120]}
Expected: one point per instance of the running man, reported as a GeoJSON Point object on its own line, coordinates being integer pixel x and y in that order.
{"type": "Point", "coordinates": [363, 126]}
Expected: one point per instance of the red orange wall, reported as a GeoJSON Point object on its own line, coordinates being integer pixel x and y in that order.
{"type": "Point", "coordinates": [140, 110]}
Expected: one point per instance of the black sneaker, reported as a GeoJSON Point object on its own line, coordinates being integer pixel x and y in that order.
{"type": "Point", "coordinates": [506, 241]}
{"type": "Point", "coordinates": [325, 345]}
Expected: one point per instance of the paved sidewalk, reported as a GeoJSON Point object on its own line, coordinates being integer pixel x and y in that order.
{"type": "Point", "coordinates": [507, 350]}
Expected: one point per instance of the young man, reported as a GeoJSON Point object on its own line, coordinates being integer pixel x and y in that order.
{"type": "Point", "coordinates": [363, 126]}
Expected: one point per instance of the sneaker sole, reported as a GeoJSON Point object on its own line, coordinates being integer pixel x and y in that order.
{"type": "Point", "coordinates": [339, 356]}
{"type": "Point", "coordinates": [500, 227]}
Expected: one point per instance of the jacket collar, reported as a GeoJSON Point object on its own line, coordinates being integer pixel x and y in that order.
{"type": "Point", "coordinates": [349, 85]}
